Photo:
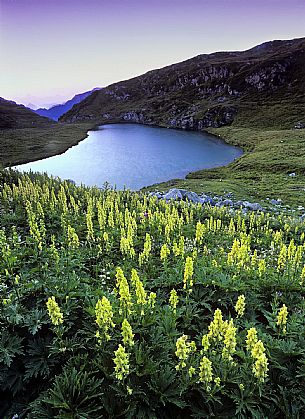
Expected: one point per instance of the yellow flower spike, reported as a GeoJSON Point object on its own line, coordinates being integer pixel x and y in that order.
{"type": "Point", "coordinates": [251, 338]}
{"type": "Point", "coordinates": [260, 367]}
{"type": "Point", "coordinates": [188, 273]}
{"type": "Point", "coordinates": [240, 305]}
{"type": "Point", "coordinates": [217, 381]}
{"type": "Point", "coordinates": [229, 341]}
{"type": "Point", "coordinates": [261, 267]}
{"type": "Point", "coordinates": [141, 294]}
{"type": "Point", "coordinates": [216, 326]}
{"type": "Point", "coordinates": [54, 312]}
{"type": "Point", "coordinates": [127, 333]}
{"type": "Point", "coordinates": [205, 371]}
{"type": "Point", "coordinates": [205, 342]}
{"type": "Point", "coordinates": [258, 349]}
{"type": "Point", "coordinates": [192, 371]}
{"type": "Point", "coordinates": [282, 318]}
{"type": "Point", "coordinates": [183, 351]}
{"type": "Point", "coordinates": [302, 276]}
{"type": "Point", "coordinates": [165, 252]}
{"type": "Point", "coordinates": [152, 299]}
{"type": "Point", "coordinates": [104, 315]}
{"type": "Point", "coordinates": [124, 292]}
{"type": "Point", "coordinates": [173, 299]}
{"type": "Point", "coordinates": [281, 262]}
{"type": "Point", "coordinates": [121, 362]}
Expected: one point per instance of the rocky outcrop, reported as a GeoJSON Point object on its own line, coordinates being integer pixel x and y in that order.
{"type": "Point", "coordinates": [206, 91]}
{"type": "Point", "coordinates": [217, 201]}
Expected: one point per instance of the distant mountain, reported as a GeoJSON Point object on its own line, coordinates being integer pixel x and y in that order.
{"type": "Point", "coordinates": [56, 111]}
{"type": "Point", "coordinates": [14, 116]}
{"type": "Point", "coordinates": [261, 87]}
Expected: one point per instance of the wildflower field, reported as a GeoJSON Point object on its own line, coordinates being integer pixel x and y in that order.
{"type": "Point", "coordinates": [114, 304]}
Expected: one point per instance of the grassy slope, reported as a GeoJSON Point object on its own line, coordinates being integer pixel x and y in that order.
{"type": "Point", "coordinates": [28, 144]}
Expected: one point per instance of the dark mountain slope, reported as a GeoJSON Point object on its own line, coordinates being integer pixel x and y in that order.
{"type": "Point", "coordinates": [56, 111]}
{"type": "Point", "coordinates": [14, 116]}
{"type": "Point", "coordinates": [261, 87]}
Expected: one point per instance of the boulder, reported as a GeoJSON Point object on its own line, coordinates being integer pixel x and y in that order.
{"type": "Point", "coordinates": [193, 197]}
{"type": "Point", "coordinates": [275, 201]}
{"type": "Point", "coordinates": [227, 202]}
{"type": "Point", "coordinates": [173, 194]}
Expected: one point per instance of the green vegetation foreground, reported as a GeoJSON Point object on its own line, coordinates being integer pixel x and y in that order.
{"type": "Point", "coordinates": [114, 304]}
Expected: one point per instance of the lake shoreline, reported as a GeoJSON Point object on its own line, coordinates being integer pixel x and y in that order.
{"type": "Point", "coordinates": [62, 147]}
{"type": "Point", "coordinates": [151, 157]}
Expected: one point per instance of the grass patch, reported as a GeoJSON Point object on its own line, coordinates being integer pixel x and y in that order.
{"type": "Point", "coordinates": [261, 172]}
{"type": "Point", "coordinates": [20, 146]}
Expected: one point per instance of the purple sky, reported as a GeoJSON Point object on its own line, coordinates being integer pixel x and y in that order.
{"type": "Point", "coordinates": [52, 49]}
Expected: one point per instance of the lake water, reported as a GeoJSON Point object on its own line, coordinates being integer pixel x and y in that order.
{"type": "Point", "coordinates": [134, 156]}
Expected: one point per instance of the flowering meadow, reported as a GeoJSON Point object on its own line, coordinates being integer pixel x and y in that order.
{"type": "Point", "coordinates": [114, 304]}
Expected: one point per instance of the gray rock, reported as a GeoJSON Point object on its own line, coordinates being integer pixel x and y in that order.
{"type": "Point", "coordinates": [208, 200]}
{"type": "Point", "coordinates": [275, 201]}
{"type": "Point", "coordinates": [228, 202]}
{"type": "Point", "coordinates": [255, 206]}
{"type": "Point", "coordinates": [193, 197]}
{"type": "Point", "coordinates": [173, 194]}
{"type": "Point", "coordinates": [252, 206]}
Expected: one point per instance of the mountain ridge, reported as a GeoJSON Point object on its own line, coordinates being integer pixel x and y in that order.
{"type": "Point", "coordinates": [15, 116]}
{"type": "Point", "coordinates": [208, 91]}
{"type": "Point", "coordinates": [55, 111]}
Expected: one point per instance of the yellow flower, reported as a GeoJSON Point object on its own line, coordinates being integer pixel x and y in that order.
{"type": "Point", "coordinates": [124, 292]}
{"type": "Point", "coordinates": [192, 371]}
{"type": "Point", "coordinates": [281, 262]}
{"type": "Point", "coordinates": [55, 314]}
{"type": "Point", "coordinates": [302, 275]}
{"type": "Point", "coordinates": [127, 333]}
{"type": "Point", "coordinates": [261, 267]}
{"type": "Point", "coordinates": [121, 362]}
{"type": "Point", "coordinates": [188, 273]}
{"type": "Point", "coordinates": [282, 318]}
{"type": "Point", "coordinates": [205, 342]}
{"type": "Point", "coordinates": [258, 349]}
{"type": "Point", "coordinates": [251, 338]}
{"type": "Point", "coordinates": [183, 351]}
{"type": "Point", "coordinates": [229, 341]}
{"type": "Point", "coordinates": [240, 305]}
{"type": "Point", "coordinates": [216, 327]}
{"type": "Point", "coordinates": [205, 371]}
{"type": "Point", "coordinates": [217, 381]}
{"type": "Point", "coordinates": [141, 294]}
{"type": "Point", "coordinates": [260, 367]}
{"type": "Point", "coordinates": [164, 252]}
{"type": "Point", "coordinates": [152, 299]}
{"type": "Point", "coordinates": [173, 299]}
{"type": "Point", "coordinates": [104, 315]}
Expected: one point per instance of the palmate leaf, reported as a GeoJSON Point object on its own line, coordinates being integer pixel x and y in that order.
{"type": "Point", "coordinates": [75, 394]}
{"type": "Point", "coordinates": [10, 346]}
{"type": "Point", "coordinates": [167, 387]}
{"type": "Point", "coordinates": [34, 320]}
{"type": "Point", "coordinates": [12, 378]}
{"type": "Point", "coordinates": [39, 361]}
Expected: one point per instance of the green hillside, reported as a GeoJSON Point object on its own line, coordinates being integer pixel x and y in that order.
{"type": "Point", "coordinates": [13, 116]}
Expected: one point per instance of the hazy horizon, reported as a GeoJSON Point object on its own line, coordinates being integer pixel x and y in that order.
{"type": "Point", "coordinates": [55, 49]}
